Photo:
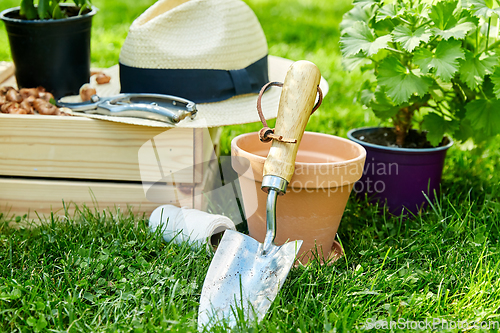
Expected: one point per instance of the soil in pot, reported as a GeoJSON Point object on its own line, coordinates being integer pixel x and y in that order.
{"type": "Point", "coordinates": [386, 137]}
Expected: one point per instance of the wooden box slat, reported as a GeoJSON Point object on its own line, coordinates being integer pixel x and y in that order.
{"type": "Point", "coordinates": [20, 196]}
{"type": "Point", "coordinates": [81, 148]}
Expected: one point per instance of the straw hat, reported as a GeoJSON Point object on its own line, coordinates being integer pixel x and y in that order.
{"type": "Point", "coordinates": [213, 52]}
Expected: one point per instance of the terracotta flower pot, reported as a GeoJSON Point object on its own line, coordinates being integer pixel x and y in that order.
{"type": "Point", "coordinates": [326, 169]}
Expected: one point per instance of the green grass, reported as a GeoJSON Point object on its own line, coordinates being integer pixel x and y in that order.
{"type": "Point", "coordinates": [102, 271]}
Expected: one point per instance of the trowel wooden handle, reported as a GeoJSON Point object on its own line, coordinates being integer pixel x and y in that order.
{"type": "Point", "coordinates": [296, 103]}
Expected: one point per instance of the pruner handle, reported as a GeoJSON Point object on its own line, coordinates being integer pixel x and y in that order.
{"type": "Point", "coordinates": [296, 103]}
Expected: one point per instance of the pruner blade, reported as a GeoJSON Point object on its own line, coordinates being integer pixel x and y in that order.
{"type": "Point", "coordinates": [165, 108]}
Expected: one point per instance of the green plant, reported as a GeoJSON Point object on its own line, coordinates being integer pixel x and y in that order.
{"type": "Point", "coordinates": [435, 63]}
{"type": "Point", "coordinates": [49, 9]}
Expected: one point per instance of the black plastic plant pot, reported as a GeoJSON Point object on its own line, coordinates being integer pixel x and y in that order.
{"type": "Point", "coordinates": [54, 54]}
{"type": "Point", "coordinates": [399, 177]}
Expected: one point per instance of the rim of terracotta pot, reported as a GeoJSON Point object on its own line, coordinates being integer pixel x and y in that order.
{"type": "Point", "coordinates": [350, 135]}
{"type": "Point", "coordinates": [341, 168]}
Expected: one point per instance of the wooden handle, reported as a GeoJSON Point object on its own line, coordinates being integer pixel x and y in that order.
{"type": "Point", "coordinates": [296, 103]}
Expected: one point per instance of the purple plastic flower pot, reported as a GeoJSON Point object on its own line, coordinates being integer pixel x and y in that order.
{"type": "Point", "coordinates": [399, 176]}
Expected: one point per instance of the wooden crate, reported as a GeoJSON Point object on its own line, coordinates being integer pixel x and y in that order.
{"type": "Point", "coordinates": [47, 159]}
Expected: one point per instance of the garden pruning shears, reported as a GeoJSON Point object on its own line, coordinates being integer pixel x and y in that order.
{"type": "Point", "coordinates": [165, 108]}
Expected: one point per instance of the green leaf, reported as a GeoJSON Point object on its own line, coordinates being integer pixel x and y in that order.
{"type": "Point", "coordinates": [361, 38]}
{"type": "Point", "coordinates": [390, 10]}
{"type": "Point", "coordinates": [365, 93]}
{"type": "Point", "coordinates": [31, 321]}
{"type": "Point", "coordinates": [382, 105]}
{"type": "Point", "coordinates": [401, 83]}
{"type": "Point", "coordinates": [495, 78]}
{"type": "Point", "coordinates": [88, 296]}
{"type": "Point", "coordinates": [357, 14]}
{"type": "Point", "coordinates": [442, 14]}
{"type": "Point", "coordinates": [419, 11]}
{"type": "Point", "coordinates": [438, 89]}
{"type": "Point", "coordinates": [365, 2]}
{"type": "Point", "coordinates": [437, 126]}
{"type": "Point", "coordinates": [16, 293]}
{"type": "Point", "coordinates": [28, 9]}
{"type": "Point", "coordinates": [444, 61]}
{"type": "Point", "coordinates": [40, 306]}
{"type": "Point", "coordinates": [482, 8]}
{"type": "Point", "coordinates": [41, 323]}
{"type": "Point", "coordinates": [448, 20]}
{"type": "Point", "coordinates": [475, 67]}
{"type": "Point", "coordinates": [44, 9]}
{"type": "Point", "coordinates": [366, 96]}
{"type": "Point", "coordinates": [57, 13]}
{"type": "Point", "coordinates": [487, 87]}
{"type": "Point", "coordinates": [464, 131]}
{"type": "Point", "coordinates": [484, 115]}
{"type": "Point", "coordinates": [411, 39]}
{"type": "Point", "coordinates": [353, 62]}
{"type": "Point", "coordinates": [459, 31]}
{"type": "Point", "coordinates": [83, 4]}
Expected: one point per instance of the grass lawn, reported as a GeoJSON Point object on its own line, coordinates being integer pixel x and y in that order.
{"type": "Point", "coordinates": [102, 271]}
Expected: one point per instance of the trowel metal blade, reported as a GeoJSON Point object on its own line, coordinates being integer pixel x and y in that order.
{"type": "Point", "coordinates": [241, 278]}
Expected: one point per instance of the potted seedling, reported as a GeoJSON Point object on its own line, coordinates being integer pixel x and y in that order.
{"type": "Point", "coordinates": [50, 44]}
{"type": "Point", "coordinates": [433, 73]}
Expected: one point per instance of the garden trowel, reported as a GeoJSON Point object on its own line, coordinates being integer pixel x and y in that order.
{"type": "Point", "coordinates": [245, 276]}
